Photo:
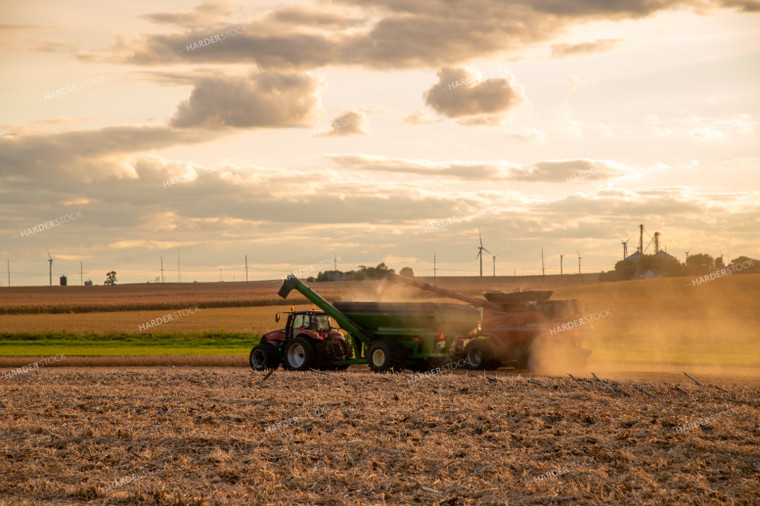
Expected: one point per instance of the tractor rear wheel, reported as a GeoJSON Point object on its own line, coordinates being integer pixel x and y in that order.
{"type": "Point", "coordinates": [301, 354]}
{"type": "Point", "coordinates": [479, 354]}
{"type": "Point", "coordinates": [263, 356]}
{"type": "Point", "coordinates": [385, 355]}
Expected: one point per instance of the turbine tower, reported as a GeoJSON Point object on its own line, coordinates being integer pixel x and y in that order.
{"type": "Point", "coordinates": [561, 255]}
{"type": "Point", "coordinates": [481, 249]}
{"type": "Point", "coordinates": [579, 262]}
{"type": "Point", "coordinates": [493, 257]}
{"type": "Point", "coordinates": [625, 247]}
{"type": "Point", "coordinates": [50, 261]}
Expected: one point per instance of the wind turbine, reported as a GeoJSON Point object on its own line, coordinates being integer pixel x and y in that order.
{"type": "Point", "coordinates": [481, 249]}
{"type": "Point", "coordinates": [50, 260]}
{"type": "Point", "coordinates": [579, 262]}
{"type": "Point", "coordinates": [493, 257]}
{"type": "Point", "coordinates": [687, 255]}
{"type": "Point", "coordinates": [625, 247]}
{"type": "Point", "coordinates": [561, 255]}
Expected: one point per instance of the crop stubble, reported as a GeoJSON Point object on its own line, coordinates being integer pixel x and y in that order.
{"type": "Point", "coordinates": [198, 436]}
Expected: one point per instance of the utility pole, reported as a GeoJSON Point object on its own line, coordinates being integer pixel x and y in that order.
{"type": "Point", "coordinates": [543, 269]}
{"type": "Point", "coordinates": [162, 270]}
{"type": "Point", "coordinates": [246, 269]}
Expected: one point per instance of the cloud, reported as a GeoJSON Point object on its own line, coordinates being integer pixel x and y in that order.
{"type": "Point", "coordinates": [706, 128]}
{"type": "Point", "coordinates": [556, 171]}
{"type": "Point", "coordinates": [384, 34]}
{"type": "Point", "coordinates": [267, 99]}
{"type": "Point", "coordinates": [349, 123]}
{"type": "Point", "coordinates": [525, 135]}
{"type": "Point", "coordinates": [419, 117]}
{"type": "Point", "coordinates": [209, 12]}
{"type": "Point", "coordinates": [87, 155]}
{"type": "Point", "coordinates": [461, 92]}
{"type": "Point", "coordinates": [303, 16]}
{"type": "Point", "coordinates": [457, 170]}
{"type": "Point", "coordinates": [584, 48]}
{"type": "Point", "coordinates": [545, 171]}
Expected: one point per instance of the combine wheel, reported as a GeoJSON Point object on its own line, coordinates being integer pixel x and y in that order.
{"type": "Point", "coordinates": [301, 354]}
{"type": "Point", "coordinates": [385, 355]}
{"type": "Point", "coordinates": [479, 355]}
{"type": "Point", "coordinates": [263, 356]}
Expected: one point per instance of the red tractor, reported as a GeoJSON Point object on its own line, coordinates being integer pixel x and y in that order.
{"type": "Point", "coordinates": [308, 341]}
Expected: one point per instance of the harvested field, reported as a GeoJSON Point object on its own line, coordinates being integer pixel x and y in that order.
{"type": "Point", "coordinates": [199, 436]}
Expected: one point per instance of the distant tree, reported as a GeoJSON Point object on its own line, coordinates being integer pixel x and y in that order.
{"type": "Point", "coordinates": [407, 272]}
{"type": "Point", "coordinates": [745, 265]}
{"type": "Point", "coordinates": [660, 266]}
{"type": "Point", "coordinates": [699, 264]}
{"type": "Point", "coordinates": [110, 278]}
{"type": "Point", "coordinates": [630, 269]}
{"type": "Point", "coordinates": [362, 272]}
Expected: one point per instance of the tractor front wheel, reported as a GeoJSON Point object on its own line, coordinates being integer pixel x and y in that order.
{"type": "Point", "coordinates": [263, 356]}
{"type": "Point", "coordinates": [300, 354]}
{"type": "Point", "coordinates": [385, 355]}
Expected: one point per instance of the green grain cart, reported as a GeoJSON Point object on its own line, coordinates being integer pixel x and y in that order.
{"type": "Point", "coordinates": [388, 336]}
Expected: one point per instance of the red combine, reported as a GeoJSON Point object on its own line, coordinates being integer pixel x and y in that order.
{"type": "Point", "coordinates": [515, 328]}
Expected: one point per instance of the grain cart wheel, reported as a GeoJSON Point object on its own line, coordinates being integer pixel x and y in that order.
{"type": "Point", "coordinates": [479, 355]}
{"type": "Point", "coordinates": [263, 356]}
{"type": "Point", "coordinates": [300, 354]}
{"type": "Point", "coordinates": [385, 355]}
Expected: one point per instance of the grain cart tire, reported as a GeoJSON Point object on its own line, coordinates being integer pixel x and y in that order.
{"type": "Point", "coordinates": [479, 355]}
{"type": "Point", "coordinates": [301, 355]}
{"type": "Point", "coordinates": [385, 355]}
{"type": "Point", "coordinates": [263, 356]}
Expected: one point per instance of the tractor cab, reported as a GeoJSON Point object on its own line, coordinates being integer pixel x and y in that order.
{"type": "Point", "coordinates": [315, 321]}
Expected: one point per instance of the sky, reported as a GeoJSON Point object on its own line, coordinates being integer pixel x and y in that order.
{"type": "Point", "coordinates": [367, 131]}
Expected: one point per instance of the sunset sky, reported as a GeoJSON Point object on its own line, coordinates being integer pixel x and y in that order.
{"type": "Point", "coordinates": [542, 124]}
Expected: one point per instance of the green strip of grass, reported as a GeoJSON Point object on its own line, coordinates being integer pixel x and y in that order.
{"type": "Point", "coordinates": [53, 343]}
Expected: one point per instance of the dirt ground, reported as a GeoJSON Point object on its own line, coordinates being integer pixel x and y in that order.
{"type": "Point", "coordinates": [182, 435]}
